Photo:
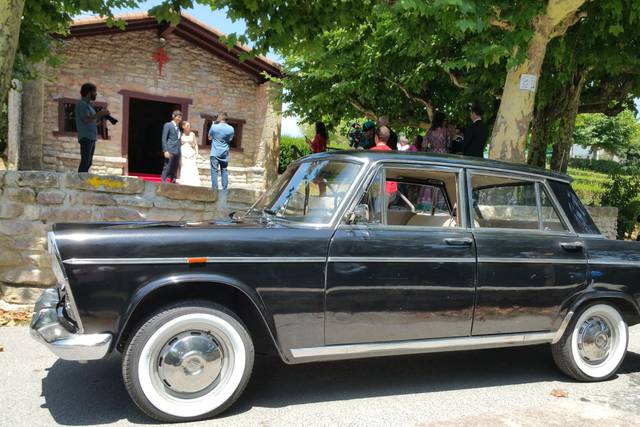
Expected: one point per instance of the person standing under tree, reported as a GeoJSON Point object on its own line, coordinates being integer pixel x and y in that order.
{"type": "Point", "coordinates": [320, 140]}
{"type": "Point", "coordinates": [87, 124]}
{"type": "Point", "coordinates": [171, 134]}
{"type": "Point", "coordinates": [476, 135]}
{"type": "Point", "coordinates": [437, 139]}
{"type": "Point", "coordinates": [221, 135]}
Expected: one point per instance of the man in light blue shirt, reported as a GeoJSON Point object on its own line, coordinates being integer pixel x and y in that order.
{"type": "Point", "coordinates": [87, 124]}
{"type": "Point", "coordinates": [221, 135]}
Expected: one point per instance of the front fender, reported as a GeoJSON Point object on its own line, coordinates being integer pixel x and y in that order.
{"type": "Point", "coordinates": [196, 278]}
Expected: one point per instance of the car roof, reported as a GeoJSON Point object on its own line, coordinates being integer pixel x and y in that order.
{"type": "Point", "coordinates": [444, 159]}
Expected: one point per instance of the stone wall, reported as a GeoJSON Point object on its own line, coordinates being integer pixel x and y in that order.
{"type": "Point", "coordinates": [606, 218]}
{"type": "Point", "coordinates": [31, 201]}
{"type": "Point", "coordinates": [124, 62]}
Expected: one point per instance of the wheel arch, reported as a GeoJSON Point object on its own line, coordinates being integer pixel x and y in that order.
{"type": "Point", "coordinates": [622, 301]}
{"type": "Point", "coordinates": [242, 299]}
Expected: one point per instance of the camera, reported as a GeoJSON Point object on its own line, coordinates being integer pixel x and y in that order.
{"type": "Point", "coordinates": [111, 119]}
{"type": "Point", "coordinates": [354, 135]}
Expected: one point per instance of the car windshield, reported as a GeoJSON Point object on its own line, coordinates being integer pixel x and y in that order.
{"type": "Point", "coordinates": [308, 192]}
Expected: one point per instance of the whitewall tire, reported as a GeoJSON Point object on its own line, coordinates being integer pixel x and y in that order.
{"type": "Point", "coordinates": [594, 344]}
{"type": "Point", "coordinates": [188, 361]}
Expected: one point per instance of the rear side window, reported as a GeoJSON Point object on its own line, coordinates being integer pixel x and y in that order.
{"type": "Point", "coordinates": [573, 207]}
{"type": "Point", "coordinates": [504, 203]}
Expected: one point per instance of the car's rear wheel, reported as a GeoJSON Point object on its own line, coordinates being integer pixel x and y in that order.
{"type": "Point", "coordinates": [594, 344]}
{"type": "Point", "coordinates": [188, 361]}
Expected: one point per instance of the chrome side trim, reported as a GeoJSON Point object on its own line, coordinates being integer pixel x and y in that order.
{"type": "Point", "coordinates": [347, 351]}
{"type": "Point", "coordinates": [398, 259]}
{"type": "Point", "coordinates": [184, 260]}
{"type": "Point", "coordinates": [531, 260]}
{"type": "Point", "coordinates": [627, 263]}
{"type": "Point", "coordinates": [563, 327]}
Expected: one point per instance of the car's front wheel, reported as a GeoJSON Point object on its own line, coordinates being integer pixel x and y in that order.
{"type": "Point", "coordinates": [594, 344]}
{"type": "Point", "coordinates": [188, 361]}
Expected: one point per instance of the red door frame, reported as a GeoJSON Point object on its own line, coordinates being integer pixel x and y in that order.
{"type": "Point", "coordinates": [127, 95]}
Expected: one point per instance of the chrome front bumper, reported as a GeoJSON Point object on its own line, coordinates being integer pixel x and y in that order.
{"type": "Point", "coordinates": [47, 328]}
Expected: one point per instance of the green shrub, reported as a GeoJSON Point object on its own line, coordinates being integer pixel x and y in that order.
{"type": "Point", "coordinates": [589, 185]}
{"type": "Point", "coordinates": [291, 149]}
{"type": "Point", "coordinates": [623, 192]}
{"type": "Point", "coordinates": [608, 167]}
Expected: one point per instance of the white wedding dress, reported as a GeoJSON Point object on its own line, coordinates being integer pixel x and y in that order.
{"type": "Point", "coordinates": [189, 174]}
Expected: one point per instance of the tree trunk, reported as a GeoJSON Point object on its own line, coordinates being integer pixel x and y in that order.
{"type": "Point", "coordinates": [541, 134]}
{"type": "Point", "coordinates": [10, 19]}
{"type": "Point", "coordinates": [509, 134]}
{"type": "Point", "coordinates": [562, 147]}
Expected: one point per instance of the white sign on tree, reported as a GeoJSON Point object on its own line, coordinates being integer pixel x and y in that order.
{"type": "Point", "coordinates": [528, 82]}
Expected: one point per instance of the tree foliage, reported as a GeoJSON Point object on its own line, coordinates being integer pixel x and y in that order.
{"type": "Point", "coordinates": [619, 135]}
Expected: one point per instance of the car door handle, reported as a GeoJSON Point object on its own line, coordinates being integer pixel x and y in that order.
{"type": "Point", "coordinates": [459, 241]}
{"type": "Point", "coordinates": [572, 246]}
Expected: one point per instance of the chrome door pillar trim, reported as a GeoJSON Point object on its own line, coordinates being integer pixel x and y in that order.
{"type": "Point", "coordinates": [352, 351]}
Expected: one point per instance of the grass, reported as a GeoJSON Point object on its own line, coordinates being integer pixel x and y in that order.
{"type": "Point", "coordinates": [589, 185]}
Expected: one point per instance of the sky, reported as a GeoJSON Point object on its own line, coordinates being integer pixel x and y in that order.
{"type": "Point", "coordinates": [218, 19]}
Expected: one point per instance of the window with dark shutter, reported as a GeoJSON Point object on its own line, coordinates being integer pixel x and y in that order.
{"type": "Point", "coordinates": [236, 124]}
{"type": "Point", "coordinates": [67, 118]}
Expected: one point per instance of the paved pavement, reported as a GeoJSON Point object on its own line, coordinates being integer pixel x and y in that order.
{"type": "Point", "coordinates": [507, 387]}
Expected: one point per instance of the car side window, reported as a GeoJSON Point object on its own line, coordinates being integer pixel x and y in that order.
{"type": "Point", "coordinates": [412, 197]}
{"type": "Point", "coordinates": [550, 219]}
{"type": "Point", "coordinates": [499, 202]}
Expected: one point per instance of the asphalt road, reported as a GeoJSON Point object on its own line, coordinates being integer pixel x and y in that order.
{"type": "Point", "coordinates": [487, 387]}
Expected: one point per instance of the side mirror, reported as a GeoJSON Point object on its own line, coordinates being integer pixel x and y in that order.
{"type": "Point", "coordinates": [359, 214]}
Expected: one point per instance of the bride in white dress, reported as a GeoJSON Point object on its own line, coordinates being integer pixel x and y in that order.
{"type": "Point", "coordinates": [189, 174]}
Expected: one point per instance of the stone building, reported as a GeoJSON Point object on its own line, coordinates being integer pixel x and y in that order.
{"type": "Point", "coordinates": [143, 73]}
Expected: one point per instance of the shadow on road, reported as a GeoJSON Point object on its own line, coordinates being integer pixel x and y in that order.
{"type": "Point", "coordinates": [94, 393]}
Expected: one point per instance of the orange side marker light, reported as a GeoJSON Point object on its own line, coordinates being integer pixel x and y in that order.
{"type": "Point", "coordinates": [199, 260]}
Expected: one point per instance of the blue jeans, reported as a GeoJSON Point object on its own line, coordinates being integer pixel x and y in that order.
{"type": "Point", "coordinates": [87, 147]}
{"type": "Point", "coordinates": [223, 163]}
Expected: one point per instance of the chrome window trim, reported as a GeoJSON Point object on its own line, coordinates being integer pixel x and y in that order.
{"type": "Point", "coordinates": [400, 259]}
{"type": "Point", "coordinates": [592, 236]}
{"type": "Point", "coordinates": [380, 164]}
{"type": "Point", "coordinates": [539, 204]}
{"type": "Point", "coordinates": [465, 166]}
{"type": "Point", "coordinates": [51, 239]}
{"type": "Point", "coordinates": [185, 260]}
{"type": "Point", "coordinates": [346, 351]}
{"type": "Point", "coordinates": [520, 175]}
{"type": "Point", "coordinates": [524, 231]}
{"type": "Point", "coordinates": [396, 227]}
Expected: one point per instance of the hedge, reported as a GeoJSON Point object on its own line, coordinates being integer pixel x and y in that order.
{"type": "Point", "coordinates": [291, 149]}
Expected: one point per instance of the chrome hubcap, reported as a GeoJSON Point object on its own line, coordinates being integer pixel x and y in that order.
{"type": "Point", "coordinates": [595, 340]}
{"type": "Point", "coordinates": [190, 362]}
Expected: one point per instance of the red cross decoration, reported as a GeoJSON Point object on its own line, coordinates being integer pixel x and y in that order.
{"type": "Point", "coordinates": [161, 58]}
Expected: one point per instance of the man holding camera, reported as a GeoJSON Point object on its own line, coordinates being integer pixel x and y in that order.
{"type": "Point", "coordinates": [87, 124]}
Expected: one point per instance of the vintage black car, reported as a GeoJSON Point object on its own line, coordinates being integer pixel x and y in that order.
{"type": "Point", "coordinates": [351, 254]}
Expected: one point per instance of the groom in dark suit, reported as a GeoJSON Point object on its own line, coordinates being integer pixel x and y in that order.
{"type": "Point", "coordinates": [171, 147]}
{"type": "Point", "coordinates": [476, 135]}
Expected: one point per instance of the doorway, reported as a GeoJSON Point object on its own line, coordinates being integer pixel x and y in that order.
{"type": "Point", "coordinates": [146, 119]}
